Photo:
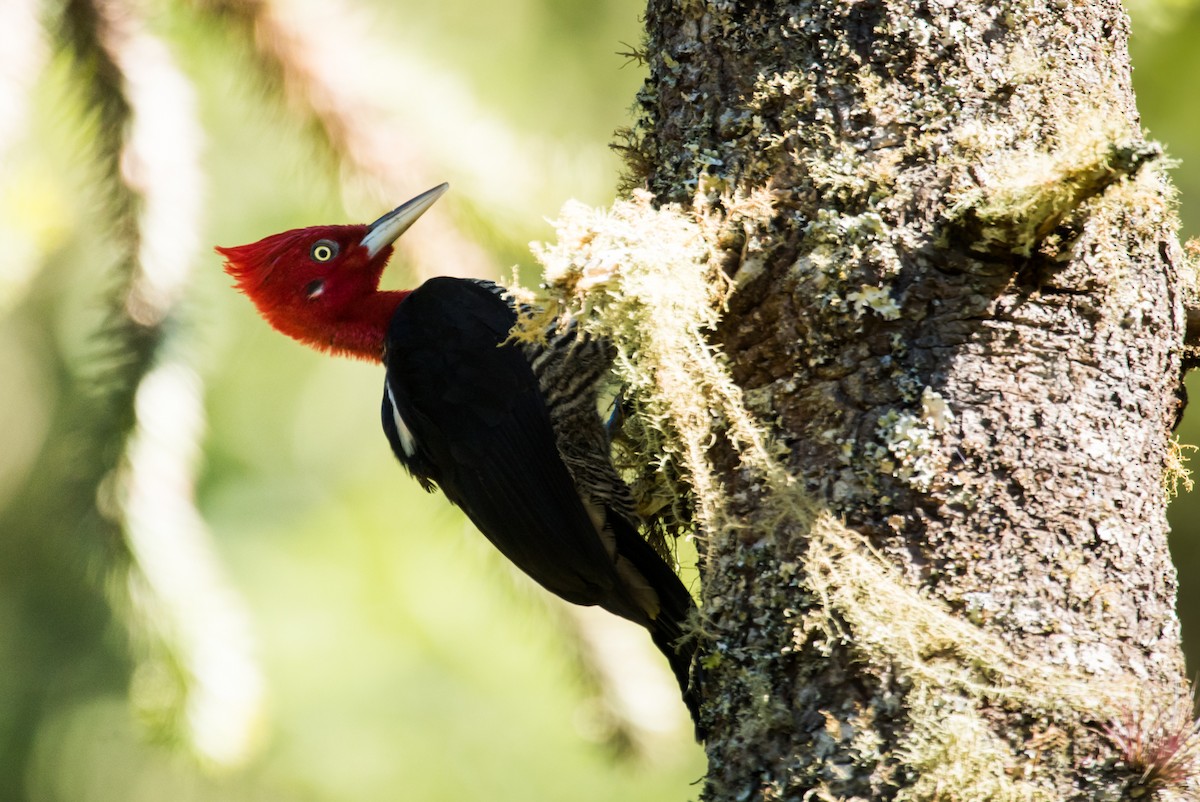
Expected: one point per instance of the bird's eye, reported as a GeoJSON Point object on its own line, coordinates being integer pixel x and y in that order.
{"type": "Point", "coordinates": [323, 250]}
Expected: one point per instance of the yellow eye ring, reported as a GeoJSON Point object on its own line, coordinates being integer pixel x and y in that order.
{"type": "Point", "coordinates": [323, 250]}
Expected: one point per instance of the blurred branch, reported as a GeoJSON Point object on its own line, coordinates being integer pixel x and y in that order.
{"type": "Point", "coordinates": [635, 708]}
{"type": "Point", "coordinates": [180, 590]}
{"type": "Point", "coordinates": [304, 56]}
{"type": "Point", "coordinates": [93, 33]}
{"type": "Point", "coordinates": [138, 414]}
{"type": "Point", "coordinates": [60, 549]}
{"type": "Point", "coordinates": [22, 54]}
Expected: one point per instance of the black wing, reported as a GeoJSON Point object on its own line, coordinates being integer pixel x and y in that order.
{"type": "Point", "coordinates": [464, 412]}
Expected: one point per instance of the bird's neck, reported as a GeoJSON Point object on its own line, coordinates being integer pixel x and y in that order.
{"type": "Point", "coordinates": [361, 333]}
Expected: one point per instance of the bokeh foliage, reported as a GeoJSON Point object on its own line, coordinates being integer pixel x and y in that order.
{"type": "Point", "coordinates": [357, 640]}
{"type": "Point", "coordinates": [1166, 62]}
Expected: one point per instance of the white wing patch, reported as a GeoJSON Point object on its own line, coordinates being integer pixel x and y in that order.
{"type": "Point", "coordinates": [407, 441]}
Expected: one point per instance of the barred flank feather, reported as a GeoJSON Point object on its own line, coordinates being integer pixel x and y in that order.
{"type": "Point", "coordinates": [570, 368]}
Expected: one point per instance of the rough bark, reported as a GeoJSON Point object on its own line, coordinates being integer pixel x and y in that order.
{"type": "Point", "coordinates": [957, 316]}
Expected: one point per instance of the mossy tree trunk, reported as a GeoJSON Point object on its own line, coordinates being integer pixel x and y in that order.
{"type": "Point", "coordinates": [957, 313]}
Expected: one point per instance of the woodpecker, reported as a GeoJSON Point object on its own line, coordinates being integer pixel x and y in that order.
{"type": "Point", "coordinates": [509, 432]}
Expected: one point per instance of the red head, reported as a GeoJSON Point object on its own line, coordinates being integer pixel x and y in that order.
{"type": "Point", "coordinates": [320, 285]}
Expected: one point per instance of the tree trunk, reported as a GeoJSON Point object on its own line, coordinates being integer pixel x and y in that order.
{"type": "Point", "coordinates": [956, 323]}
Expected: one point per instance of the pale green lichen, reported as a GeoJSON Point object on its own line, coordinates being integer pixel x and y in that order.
{"type": "Point", "coordinates": [911, 444]}
{"type": "Point", "coordinates": [839, 246]}
{"type": "Point", "coordinates": [1176, 472]}
{"type": "Point", "coordinates": [877, 299]}
{"type": "Point", "coordinates": [910, 448]}
{"type": "Point", "coordinates": [1036, 190]}
{"type": "Point", "coordinates": [960, 757]}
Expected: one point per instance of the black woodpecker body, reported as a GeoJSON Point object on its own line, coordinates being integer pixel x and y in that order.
{"type": "Point", "coordinates": [511, 434]}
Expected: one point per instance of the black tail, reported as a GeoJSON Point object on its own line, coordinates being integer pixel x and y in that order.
{"type": "Point", "coordinates": [667, 629]}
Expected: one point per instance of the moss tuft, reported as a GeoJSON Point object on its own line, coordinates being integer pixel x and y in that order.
{"type": "Point", "coordinates": [1040, 190]}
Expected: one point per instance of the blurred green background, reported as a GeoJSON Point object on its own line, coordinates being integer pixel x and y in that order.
{"type": "Point", "coordinates": [322, 629]}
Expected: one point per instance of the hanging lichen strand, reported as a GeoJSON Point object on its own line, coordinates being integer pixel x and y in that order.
{"type": "Point", "coordinates": [645, 279]}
